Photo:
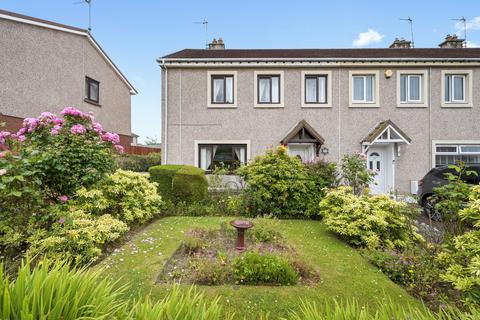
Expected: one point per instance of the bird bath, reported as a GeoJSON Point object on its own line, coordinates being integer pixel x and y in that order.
{"type": "Point", "coordinates": [241, 226]}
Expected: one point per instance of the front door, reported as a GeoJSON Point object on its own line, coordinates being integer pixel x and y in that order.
{"type": "Point", "coordinates": [376, 162]}
{"type": "Point", "coordinates": [304, 151]}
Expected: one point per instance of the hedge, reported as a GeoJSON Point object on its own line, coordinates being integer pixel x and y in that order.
{"type": "Point", "coordinates": [179, 183]}
{"type": "Point", "coordinates": [138, 163]}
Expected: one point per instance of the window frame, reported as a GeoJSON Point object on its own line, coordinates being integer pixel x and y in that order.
{"type": "Point", "coordinates": [364, 78]}
{"type": "Point", "coordinates": [376, 89]}
{"type": "Point", "coordinates": [452, 143]}
{"type": "Point", "coordinates": [200, 145]}
{"type": "Point", "coordinates": [328, 88]}
{"type": "Point", "coordinates": [214, 77]}
{"type": "Point", "coordinates": [467, 89]}
{"type": "Point", "coordinates": [87, 98]}
{"type": "Point", "coordinates": [269, 77]}
{"type": "Point", "coordinates": [451, 88]}
{"type": "Point", "coordinates": [256, 89]}
{"type": "Point", "coordinates": [316, 77]}
{"type": "Point", "coordinates": [209, 92]}
{"type": "Point", "coordinates": [424, 88]}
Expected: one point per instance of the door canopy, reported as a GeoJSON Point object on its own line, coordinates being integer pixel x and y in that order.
{"type": "Point", "coordinates": [386, 132]}
{"type": "Point", "coordinates": [302, 132]}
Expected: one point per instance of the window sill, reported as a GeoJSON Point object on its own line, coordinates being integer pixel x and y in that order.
{"type": "Point", "coordinates": [92, 102]}
{"type": "Point", "coordinates": [222, 106]}
{"type": "Point", "coordinates": [412, 105]}
{"type": "Point", "coordinates": [316, 106]}
{"type": "Point", "coordinates": [457, 105]}
{"type": "Point", "coordinates": [364, 105]}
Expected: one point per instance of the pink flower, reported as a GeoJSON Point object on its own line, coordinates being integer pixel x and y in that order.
{"type": "Point", "coordinates": [111, 137]}
{"type": "Point", "coordinates": [119, 148]}
{"type": "Point", "coordinates": [61, 220]}
{"type": "Point", "coordinates": [4, 154]}
{"type": "Point", "coordinates": [57, 121]}
{"type": "Point", "coordinates": [30, 124]}
{"type": "Point", "coordinates": [22, 131]}
{"type": "Point", "coordinates": [21, 138]}
{"type": "Point", "coordinates": [73, 112]}
{"type": "Point", "coordinates": [47, 117]}
{"type": "Point", "coordinates": [97, 127]}
{"type": "Point", "coordinates": [55, 130]}
{"type": "Point", "coordinates": [78, 129]}
{"type": "Point", "coordinates": [3, 136]}
{"type": "Point", "coordinates": [63, 198]}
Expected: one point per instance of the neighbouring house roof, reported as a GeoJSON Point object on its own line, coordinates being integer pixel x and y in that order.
{"type": "Point", "coordinates": [327, 54]}
{"type": "Point", "coordinates": [7, 15]}
{"type": "Point", "coordinates": [302, 132]}
{"type": "Point", "coordinates": [380, 129]}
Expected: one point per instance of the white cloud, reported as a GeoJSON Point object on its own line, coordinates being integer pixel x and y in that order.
{"type": "Point", "coordinates": [472, 24]}
{"type": "Point", "coordinates": [366, 38]}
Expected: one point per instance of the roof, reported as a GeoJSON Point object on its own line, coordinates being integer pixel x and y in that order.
{"type": "Point", "coordinates": [299, 126]}
{"type": "Point", "coordinates": [380, 128]}
{"type": "Point", "coordinates": [332, 54]}
{"type": "Point", "coordinates": [7, 15]}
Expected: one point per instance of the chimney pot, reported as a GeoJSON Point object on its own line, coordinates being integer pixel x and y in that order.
{"type": "Point", "coordinates": [401, 44]}
{"type": "Point", "coordinates": [216, 44]}
{"type": "Point", "coordinates": [452, 41]}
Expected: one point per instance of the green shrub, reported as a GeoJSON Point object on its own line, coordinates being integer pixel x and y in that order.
{"type": "Point", "coordinates": [461, 256]}
{"type": "Point", "coordinates": [265, 229]}
{"type": "Point", "coordinates": [276, 184]}
{"type": "Point", "coordinates": [366, 221]}
{"type": "Point", "coordinates": [138, 163]}
{"type": "Point", "coordinates": [254, 268]}
{"type": "Point", "coordinates": [355, 173]}
{"type": "Point", "coordinates": [126, 195]}
{"type": "Point", "coordinates": [179, 183]}
{"type": "Point", "coordinates": [210, 271]}
{"type": "Point", "coordinates": [76, 236]}
{"type": "Point", "coordinates": [324, 174]}
{"type": "Point", "coordinates": [190, 184]}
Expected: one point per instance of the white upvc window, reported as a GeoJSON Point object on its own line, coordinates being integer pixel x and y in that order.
{"type": "Point", "coordinates": [449, 152]}
{"type": "Point", "coordinates": [456, 88]}
{"type": "Point", "coordinates": [364, 88]}
{"type": "Point", "coordinates": [411, 88]}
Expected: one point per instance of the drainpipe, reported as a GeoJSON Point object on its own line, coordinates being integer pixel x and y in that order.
{"type": "Point", "coordinates": [165, 107]}
{"type": "Point", "coordinates": [430, 118]}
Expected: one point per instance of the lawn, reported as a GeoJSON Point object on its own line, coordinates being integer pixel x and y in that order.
{"type": "Point", "coordinates": [344, 273]}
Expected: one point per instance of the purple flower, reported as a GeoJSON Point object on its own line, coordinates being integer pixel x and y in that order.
{"type": "Point", "coordinates": [63, 198]}
{"type": "Point", "coordinates": [119, 148]}
{"type": "Point", "coordinates": [55, 130]}
{"type": "Point", "coordinates": [22, 131]}
{"type": "Point", "coordinates": [30, 124]}
{"type": "Point", "coordinates": [3, 136]}
{"type": "Point", "coordinates": [97, 127]}
{"type": "Point", "coordinates": [78, 129]}
{"type": "Point", "coordinates": [73, 112]}
{"type": "Point", "coordinates": [21, 138]}
{"type": "Point", "coordinates": [61, 220]}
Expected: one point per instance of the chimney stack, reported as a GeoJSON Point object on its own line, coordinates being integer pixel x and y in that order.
{"type": "Point", "coordinates": [401, 44]}
{"type": "Point", "coordinates": [216, 44]}
{"type": "Point", "coordinates": [452, 41]}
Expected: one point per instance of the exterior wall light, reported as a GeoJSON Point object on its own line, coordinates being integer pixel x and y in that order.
{"type": "Point", "coordinates": [324, 151]}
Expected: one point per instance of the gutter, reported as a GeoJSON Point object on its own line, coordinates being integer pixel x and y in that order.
{"type": "Point", "coordinates": [166, 60]}
{"type": "Point", "coordinates": [164, 106]}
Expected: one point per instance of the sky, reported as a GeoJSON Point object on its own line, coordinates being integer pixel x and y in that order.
{"type": "Point", "coordinates": [136, 33]}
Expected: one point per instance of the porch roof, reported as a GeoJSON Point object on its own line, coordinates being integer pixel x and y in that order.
{"type": "Point", "coordinates": [380, 129]}
{"type": "Point", "coordinates": [302, 125]}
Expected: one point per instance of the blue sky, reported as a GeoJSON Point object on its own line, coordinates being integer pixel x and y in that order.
{"type": "Point", "coordinates": [135, 33]}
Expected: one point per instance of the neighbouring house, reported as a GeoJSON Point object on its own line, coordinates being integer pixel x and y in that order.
{"type": "Point", "coordinates": [407, 109]}
{"type": "Point", "coordinates": [46, 66]}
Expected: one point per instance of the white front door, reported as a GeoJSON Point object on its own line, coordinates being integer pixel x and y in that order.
{"type": "Point", "coordinates": [380, 161]}
{"type": "Point", "coordinates": [304, 151]}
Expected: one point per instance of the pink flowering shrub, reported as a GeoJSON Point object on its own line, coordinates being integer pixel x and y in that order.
{"type": "Point", "coordinates": [42, 165]}
{"type": "Point", "coordinates": [67, 152]}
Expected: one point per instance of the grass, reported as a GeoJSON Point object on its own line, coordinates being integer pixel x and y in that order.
{"type": "Point", "coordinates": [344, 273]}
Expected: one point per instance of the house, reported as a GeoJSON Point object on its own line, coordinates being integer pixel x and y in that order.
{"type": "Point", "coordinates": [407, 109]}
{"type": "Point", "coordinates": [46, 66]}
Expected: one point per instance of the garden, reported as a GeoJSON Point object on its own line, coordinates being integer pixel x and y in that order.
{"type": "Point", "coordinates": [82, 222]}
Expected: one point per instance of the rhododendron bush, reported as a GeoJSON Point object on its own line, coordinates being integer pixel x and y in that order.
{"type": "Point", "coordinates": [42, 166]}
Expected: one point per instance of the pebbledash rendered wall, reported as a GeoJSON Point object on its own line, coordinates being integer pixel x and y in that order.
{"type": "Point", "coordinates": [343, 127]}
{"type": "Point", "coordinates": [44, 70]}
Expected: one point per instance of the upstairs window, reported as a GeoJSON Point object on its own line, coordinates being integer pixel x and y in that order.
{"type": "Point", "coordinates": [268, 89]}
{"type": "Point", "coordinates": [315, 89]}
{"type": "Point", "coordinates": [455, 88]}
{"type": "Point", "coordinates": [363, 89]}
{"type": "Point", "coordinates": [222, 89]}
{"type": "Point", "coordinates": [410, 88]}
{"type": "Point", "coordinates": [92, 90]}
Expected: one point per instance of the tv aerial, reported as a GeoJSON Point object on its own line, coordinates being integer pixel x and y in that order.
{"type": "Point", "coordinates": [204, 22]}
{"type": "Point", "coordinates": [464, 21]}
{"type": "Point", "coordinates": [410, 22]}
{"type": "Point", "coordinates": [89, 3]}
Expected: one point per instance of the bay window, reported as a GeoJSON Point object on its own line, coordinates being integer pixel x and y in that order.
{"type": "Point", "coordinates": [227, 156]}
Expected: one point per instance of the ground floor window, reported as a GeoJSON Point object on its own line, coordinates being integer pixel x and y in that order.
{"type": "Point", "coordinates": [447, 154]}
{"type": "Point", "coordinates": [228, 156]}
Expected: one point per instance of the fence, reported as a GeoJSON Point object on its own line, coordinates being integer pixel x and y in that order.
{"type": "Point", "coordinates": [140, 150]}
